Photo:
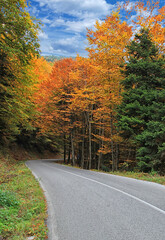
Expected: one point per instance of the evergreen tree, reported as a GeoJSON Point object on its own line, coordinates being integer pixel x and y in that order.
{"type": "Point", "coordinates": [141, 115]}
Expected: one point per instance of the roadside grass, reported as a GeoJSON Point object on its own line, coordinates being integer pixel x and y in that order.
{"type": "Point", "coordinates": [23, 210]}
{"type": "Point", "coordinates": [151, 177]}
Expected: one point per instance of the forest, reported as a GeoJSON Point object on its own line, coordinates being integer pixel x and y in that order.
{"type": "Point", "coordinates": [105, 111]}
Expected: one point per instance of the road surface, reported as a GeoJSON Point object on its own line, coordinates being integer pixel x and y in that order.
{"type": "Point", "coordinates": [87, 205]}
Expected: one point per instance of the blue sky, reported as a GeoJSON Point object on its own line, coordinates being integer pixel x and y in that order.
{"type": "Point", "coordinates": [65, 23]}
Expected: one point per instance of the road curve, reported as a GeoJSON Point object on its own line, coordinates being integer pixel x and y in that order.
{"type": "Point", "coordinates": [86, 205]}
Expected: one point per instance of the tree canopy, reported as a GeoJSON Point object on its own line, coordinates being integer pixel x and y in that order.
{"type": "Point", "coordinates": [18, 45]}
{"type": "Point", "coordinates": [105, 111]}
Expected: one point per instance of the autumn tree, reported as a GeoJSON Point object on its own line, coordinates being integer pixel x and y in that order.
{"type": "Point", "coordinates": [83, 104]}
{"type": "Point", "coordinates": [52, 99]}
{"type": "Point", "coordinates": [38, 71]}
{"type": "Point", "coordinates": [18, 45]}
{"type": "Point", "coordinates": [77, 101]}
{"type": "Point", "coordinates": [107, 50]}
{"type": "Point", "coordinates": [148, 15]}
{"type": "Point", "coordinates": [141, 113]}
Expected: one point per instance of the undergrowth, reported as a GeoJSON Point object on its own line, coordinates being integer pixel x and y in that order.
{"type": "Point", "coordinates": [22, 203]}
{"type": "Point", "coordinates": [152, 177]}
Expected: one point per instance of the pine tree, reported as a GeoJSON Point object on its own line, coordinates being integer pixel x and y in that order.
{"type": "Point", "coordinates": [141, 115]}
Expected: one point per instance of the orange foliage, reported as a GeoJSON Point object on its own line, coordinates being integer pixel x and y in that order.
{"type": "Point", "coordinates": [53, 94]}
{"type": "Point", "coordinates": [82, 94]}
{"type": "Point", "coordinates": [149, 16]}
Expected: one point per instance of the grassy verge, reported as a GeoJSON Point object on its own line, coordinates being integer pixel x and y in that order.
{"type": "Point", "coordinates": [22, 203]}
{"type": "Point", "coordinates": [151, 177]}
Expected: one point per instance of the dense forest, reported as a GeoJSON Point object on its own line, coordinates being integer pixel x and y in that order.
{"type": "Point", "coordinates": [106, 111]}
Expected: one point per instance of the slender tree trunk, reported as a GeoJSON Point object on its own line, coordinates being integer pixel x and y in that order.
{"type": "Point", "coordinates": [129, 154]}
{"type": "Point", "coordinates": [64, 148]}
{"type": "Point", "coordinates": [112, 143]}
{"type": "Point", "coordinates": [99, 160]}
{"type": "Point", "coordinates": [82, 148]}
{"type": "Point", "coordinates": [90, 142]}
{"type": "Point", "coordinates": [69, 147]}
{"type": "Point", "coordinates": [72, 147]}
{"type": "Point", "coordinates": [117, 156]}
{"type": "Point", "coordinates": [100, 154]}
{"type": "Point", "coordinates": [95, 148]}
{"type": "Point", "coordinates": [79, 154]}
{"type": "Point", "coordinates": [101, 146]}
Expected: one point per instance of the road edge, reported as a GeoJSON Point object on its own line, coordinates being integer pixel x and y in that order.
{"type": "Point", "coordinates": [52, 235]}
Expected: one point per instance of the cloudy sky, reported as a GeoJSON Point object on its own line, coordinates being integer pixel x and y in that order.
{"type": "Point", "coordinates": [65, 23]}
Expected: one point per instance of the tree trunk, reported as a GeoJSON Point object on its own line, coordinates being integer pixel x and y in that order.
{"type": "Point", "coordinates": [117, 157]}
{"type": "Point", "coordinates": [82, 148]}
{"type": "Point", "coordinates": [100, 145]}
{"type": "Point", "coordinates": [64, 148]}
{"type": "Point", "coordinates": [69, 149]}
{"type": "Point", "coordinates": [72, 147]}
{"type": "Point", "coordinates": [90, 142]}
{"type": "Point", "coordinates": [112, 144]}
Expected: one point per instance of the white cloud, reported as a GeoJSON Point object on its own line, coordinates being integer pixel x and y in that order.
{"type": "Point", "coordinates": [74, 26]}
{"type": "Point", "coordinates": [81, 14]}
{"type": "Point", "coordinates": [45, 20]}
{"type": "Point", "coordinates": [46, 47]}
{"type": "Point", "coordinates": [77, 7]}
{"type": "Point", "coordinates": [33, 11]}
{"type": "Point", "coordinates": [69, 46]}
{"type": "Point", "coordinates": [42, 35]}
{"type": "Point", "coordinates": [58, 22]}
{"type": "Point", "coordinates": [66, 22]}
{"type": "Point", "coordinates": [130, 6]}
{"type": "Point", "coordinates": [80, 26]}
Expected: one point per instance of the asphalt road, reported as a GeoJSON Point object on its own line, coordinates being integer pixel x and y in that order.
{"type": "Point", "coordinates": [86, 205]}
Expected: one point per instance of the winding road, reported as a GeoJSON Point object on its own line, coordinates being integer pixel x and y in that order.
{"type": "Point", "coordinates": [87, 205]}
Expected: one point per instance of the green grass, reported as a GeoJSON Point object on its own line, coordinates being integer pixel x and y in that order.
{"type": "Point", "coordinates": [22, 203]}
{"type": "Point", "coordinates": [151, 177]}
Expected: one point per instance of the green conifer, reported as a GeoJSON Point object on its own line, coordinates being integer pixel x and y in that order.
{"type": "Point", "coordinates": [141, 115]}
